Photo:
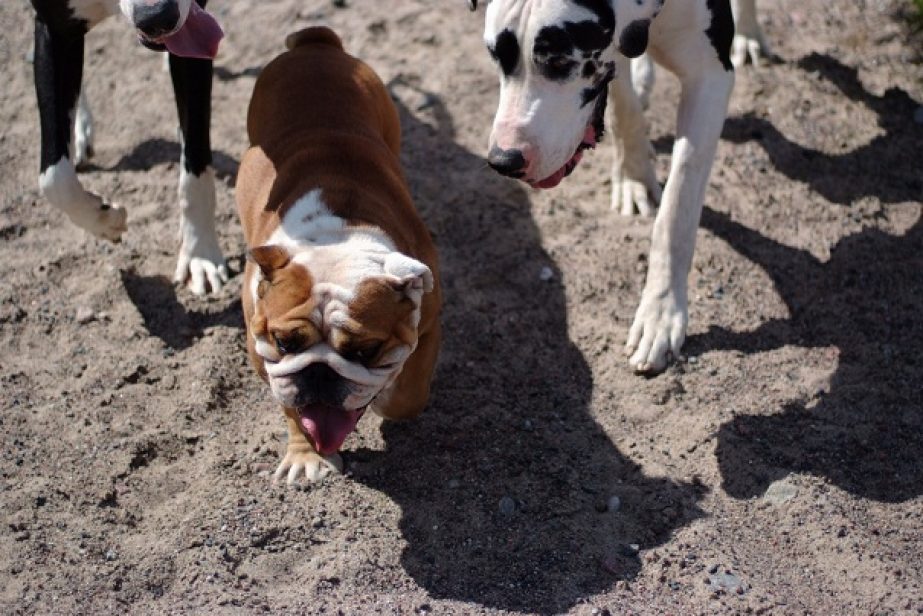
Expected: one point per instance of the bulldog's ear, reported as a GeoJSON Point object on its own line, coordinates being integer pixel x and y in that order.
{"type": "Point", "coordinates": [408, 274]}
{"type": "Point", "coordinates": [269, 259]}
{"type": "Point", "coordinates": [473, 5]}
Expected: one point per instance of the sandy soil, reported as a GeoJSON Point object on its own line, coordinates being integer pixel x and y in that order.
{"type": "Point", "coordinates": [777, 469]}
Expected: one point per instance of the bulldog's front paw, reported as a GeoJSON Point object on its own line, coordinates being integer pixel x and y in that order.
{"type": "Point", "coordinates": [659, 329]}
{"type": "Point", "coordinates": [635, 188]}
{"type": "Point", "coordinates": [306, 464]}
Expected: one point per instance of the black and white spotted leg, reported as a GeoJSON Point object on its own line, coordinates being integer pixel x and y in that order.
{"type": "Point", "coordinates": [200, 260]}
{"type": "Point", "coordinates": [58, 71]}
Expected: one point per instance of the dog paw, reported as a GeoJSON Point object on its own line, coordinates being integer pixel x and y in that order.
{"type": "Point", "coordinates": [102, 219]}
{"type": "Point", "coordinates": [202, 266]}
{"type": "Point", "coordinates": [658, 331]}
{"type": "Point", "coordinates": [630, 195]}
{"type": "Point", "coordinates": [308, 466]}
{"type": "Point", "coordinates": [749, 45]}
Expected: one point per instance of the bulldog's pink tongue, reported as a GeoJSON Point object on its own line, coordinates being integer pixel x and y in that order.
{"type": "Point", "coordinates": [199, 36]}
{"type": "Point", "coordinates": [327, 426]}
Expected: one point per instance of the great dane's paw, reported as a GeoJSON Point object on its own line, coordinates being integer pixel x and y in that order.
{"type": "Point", "coordinates": [630, 195]}
{"type": "Point", "coordinates": [102, 219]}
{"type": "Point", "coordinates": [659, 330]}
{"type": "Point", "coordinates": [301, 465]}
{"type": "Point", "coordinates": [202, 265]}
{"type": "Point", "coordinates": [749, 45]}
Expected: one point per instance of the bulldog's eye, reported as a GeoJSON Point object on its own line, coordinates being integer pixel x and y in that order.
{"type": "Point", "coordinates": [289, 345]}
{"type": "Point", "coordinates": [363, 354]}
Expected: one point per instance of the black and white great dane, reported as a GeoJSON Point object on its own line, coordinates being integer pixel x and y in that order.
{"type": "Point", "coordinates": [560, 62]}
{"type": "Point", "coordinates": [191, 36]}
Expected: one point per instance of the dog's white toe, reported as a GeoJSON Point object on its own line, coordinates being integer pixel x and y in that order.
{"type": "Point", "coordinates": [308, 466]}
{"type": "Point", "coordinates": [659, 330]}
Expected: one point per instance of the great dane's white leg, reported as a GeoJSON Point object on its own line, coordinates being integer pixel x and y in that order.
{"type": "Point", "coordinates": [83, 131]}
{"type": "Point", "coordinates": [660, 322]}
{"type": "Point", "coordinates": [634, 182]}
{"type": "Point", "coordinates": [642, 78]}
{"type": "Point", "coordinates": [748, 40]}
{"type": "Point", "coordinates": [200, 260]}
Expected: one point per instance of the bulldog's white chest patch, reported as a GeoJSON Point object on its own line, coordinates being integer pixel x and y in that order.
{"type": "Point", "coordinates": [93, 11]}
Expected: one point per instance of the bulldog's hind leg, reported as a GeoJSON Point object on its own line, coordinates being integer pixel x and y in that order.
{"type": "Point", "coordinates": [301, 460]}
{"type": "Point", "coordinates": [410, 393]}
{"type": "Point", "coordinates": [200, 259]}
{"type": "Point", "coordinates": [659, 327]}
{"type": "Point", "coordinates": [58, 70]}
{"type": "Point", "coordinates": [634, 182]}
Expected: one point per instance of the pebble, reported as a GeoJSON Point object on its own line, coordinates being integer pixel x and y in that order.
{"type": "Point", "coordinates": [918, 115]}
{"type": "Point", "coordinates": [614, 504]}
{"type": "Point", "coordinates": [546, 274]}
{"type": "Point", "coordinates": [726, 582]}
{"type": "Point", "coordinates": [507, 505]}
{"type": "Point", "coordinates": [780, 492]}
{"type": "Point", "coordinates": [85, 315]}
{"type": "Point", "coordinates": [111, 555]}
{"type": "Point", "coordinates": [454, 483]}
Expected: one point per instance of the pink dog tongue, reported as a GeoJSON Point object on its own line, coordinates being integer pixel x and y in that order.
{"type": "Point", "coordinates": [328, 426]}
{"type": "Point", "coordinates": [199, 36]}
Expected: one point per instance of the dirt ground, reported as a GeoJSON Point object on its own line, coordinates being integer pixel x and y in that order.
{"type": "Point", "coordinates": [777, 469]}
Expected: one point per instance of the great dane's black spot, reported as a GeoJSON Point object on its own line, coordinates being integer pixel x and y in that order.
{"type": "Point", "coordinates": [599, 87]}
{"type": "Point", "coordinates": [603, 11]}
{"type": "Point", "coordinates": [588, 36]}
{"type": "Point", "coordinates": [721, 30]}
{"type": "Point", "coordinates": [555, 47]}
{"type": "Point", "coordinates": [589, 69]}
{"type": "Point", "coordinates": [506, 51]}
{"type": "Point", "coordinates": [633, 40]}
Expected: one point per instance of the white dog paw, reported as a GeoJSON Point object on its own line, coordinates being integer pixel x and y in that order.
{"type": "Point", "coordinates": [630, 195]}
{"type": "Point", "coordinates": [200, 261]}
{"type": "Point", "coordinates": [203, 266]}
{"type": "Point", "coordinates": [307, 466]}
{"type": "Point", "coordinates": [659, 330]}
{"type": "Point", "coordinates": [102, 219]}
{"type": "Point", "coordinates": [752, 46]}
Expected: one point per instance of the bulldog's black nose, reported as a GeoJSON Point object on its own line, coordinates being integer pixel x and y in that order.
{"type": "Point", "coordinates": [156, 19]}
{"type": "Point", "coordinates": [506, 162]}
{"type": "Point", "coordinates": [320, 384]}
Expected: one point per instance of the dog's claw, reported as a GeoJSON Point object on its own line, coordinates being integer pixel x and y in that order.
{"type": "Point", "coordinates": [307, 465]}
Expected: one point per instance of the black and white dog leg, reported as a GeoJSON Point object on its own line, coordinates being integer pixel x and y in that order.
{"type": "Point", "coordinates": [58, 71]}
{"type": "Point", "coordinates": [200, 262]}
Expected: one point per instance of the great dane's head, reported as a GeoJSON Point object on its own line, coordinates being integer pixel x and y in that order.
{"type": "Point", "coordinates": [180, 26]}
{"type": "Point", "coordinates": [556, 59]}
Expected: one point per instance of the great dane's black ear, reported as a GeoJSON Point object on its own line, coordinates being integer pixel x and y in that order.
{"type": "Point", "coordinates": [633, 40]}
{"type": "Point", "coordinates": [473, 5]}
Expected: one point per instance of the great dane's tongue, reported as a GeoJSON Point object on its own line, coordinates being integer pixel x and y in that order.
{"type": "Point", "coordinates": [199, 36]}
{"type": "Point", "coordinates": [328, 426]}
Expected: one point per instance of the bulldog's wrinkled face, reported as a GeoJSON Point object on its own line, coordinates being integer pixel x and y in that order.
{"type": "Point", "coordinates": [179, 26]}
{"type": "Point", "coordinates": [556, 59]}
{"type": "Point", "coordinates": [334, 326]}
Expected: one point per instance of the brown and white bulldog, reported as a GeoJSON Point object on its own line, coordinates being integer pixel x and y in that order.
{"type": "Point", "coordinates": [341, 293]}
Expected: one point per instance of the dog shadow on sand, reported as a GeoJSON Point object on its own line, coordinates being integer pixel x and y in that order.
{"type": "Point", "coordinates": [502, 480]}
{"type": "Point", "coordinates": [865, 434]}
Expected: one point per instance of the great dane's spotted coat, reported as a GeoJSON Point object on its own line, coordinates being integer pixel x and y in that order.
{"type": "Point", "coordinates": [557, 61]}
